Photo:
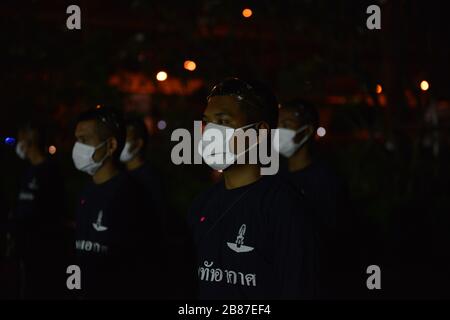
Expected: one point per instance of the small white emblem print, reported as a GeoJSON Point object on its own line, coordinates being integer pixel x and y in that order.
{"type": "Point", "coordinates": [98, 225]}
{"type": "Point", "coordinates": [239, 246]}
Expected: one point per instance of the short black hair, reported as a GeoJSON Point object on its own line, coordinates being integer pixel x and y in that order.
{"type": "Point", "coordinates": [256, 99]}
{"type": "Point", "coordinates": [36, 131]}
{"type": "Point", "coordinates": [109, 123]}
{"type": "Point", "coordinates": [139, 129]}
{"type": "Point", "coordinates": [306, 112]}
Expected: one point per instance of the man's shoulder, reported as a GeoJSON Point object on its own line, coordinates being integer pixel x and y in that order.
{"type": "Point", "coordinates": [207, 194]}
{"type": "Point", "coordinates": [119, 189]}
{"type": "Point", "coordinates": [280, 200]}
{"type": "Point", "coordinates": [325, 170]}
{"type": "Point", "coordinates": [203, 198]}
{"type": "Point", "coordinates": [279, 186]}
{"type": "Point", "coordinates": [127, 187]}
{"type": "Point", "coordinates": [148, 170]}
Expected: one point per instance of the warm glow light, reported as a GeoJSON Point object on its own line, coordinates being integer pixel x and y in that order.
{"type": "Point", "coordinates": [379, 89]}
{"type": "Point", "coordinates": [247, 13]}
{"type": "Point", "coordinates": [98, 106]}
{"type": "Point", "coordinates": [161, 76]}
{"type": "Point", "coordinates": [321, 131]}
{"type": "Point", "coordinates": [190, 65]}
{"type": "Point", "coordinates": [424, 85]}
{"type": "Point", "coordinates": [52, 149]}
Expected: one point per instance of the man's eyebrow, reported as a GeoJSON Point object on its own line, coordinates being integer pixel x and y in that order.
{"type": "Point", "coordinates": [220, 114]}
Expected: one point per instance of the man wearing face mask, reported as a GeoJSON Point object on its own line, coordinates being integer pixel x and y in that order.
{"type": "Point", "coordinates": [110, 238]}
{"type": "Point", "coordinates": [38, 218]}
{"type": "Point", "coordinates": [138, 167]}
{"type": "Point", "coordinates": [133, 156]}
{"type": "Point", "coordinates": [324, 191]}
{"type": "Point", "coordinates": [252, 237]}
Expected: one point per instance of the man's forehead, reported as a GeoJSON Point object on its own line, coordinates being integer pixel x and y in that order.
{"type": "Point", "coordinates": [85, 127]}
{"type": "Point", "coordinates": [222, 104]}
{"type": "Point", "coordinates": [289, 113]}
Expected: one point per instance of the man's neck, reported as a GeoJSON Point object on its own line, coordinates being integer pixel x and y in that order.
{"type": "Point", "coordinates": [36, 158]}
{"type": "Point", "coordinates": [108, 171]}
{"type": "Point", "coordinates": [300, 160]}
{"type": "Point", "coordinates": [240, 175]}
{"type": "Point", "coordinates": [135, 163]}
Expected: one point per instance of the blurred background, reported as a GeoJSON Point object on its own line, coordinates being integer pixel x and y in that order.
{"type": "Point", "coordinates": [383, 97]}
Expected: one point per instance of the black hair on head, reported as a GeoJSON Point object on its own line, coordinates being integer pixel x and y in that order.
{"type": "Point", "coordinates": [305, 111]}
{"type": "Point", "coordinates": [139, 128]}
{"type": "Point", "coordinates": [36, 132]}
{"type": "Point", "coordinates": [256, 99]}
{"type": "Point", "coordinates": [109, 124]}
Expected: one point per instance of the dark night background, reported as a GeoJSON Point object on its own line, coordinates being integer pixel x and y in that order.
{"type": "Point", "coordinates": [392, 147]}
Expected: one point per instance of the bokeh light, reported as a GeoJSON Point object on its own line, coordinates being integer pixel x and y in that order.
{"type": "Point", "coordinates": [424, 85]}
{"type": "Point", "coordinates": [247, 13]}
{"type": "Point", "coordinates": [379, 89]}
{"type": "Point", "coordinates": [10, 141]}
{"type": "Point", "coordinates": [190, 65]}
{"type": "Point", "coordinates": [321, 132]}
{"type": "Point", "coordinates": [52, 150]}
{"type": "Point", "coordinates": [161, 76]}
{"type": "Point", "coordinates": [161, 124]}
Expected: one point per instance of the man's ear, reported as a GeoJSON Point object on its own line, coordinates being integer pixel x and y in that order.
{"type": "Point", "coordinates": [266, 129]}
{"type": "Point", "coordinates": [140, 144]}
{"type": "Point", "coordinates": [112, 146]}
{"type": "Point", "coordinates": [263, 125]}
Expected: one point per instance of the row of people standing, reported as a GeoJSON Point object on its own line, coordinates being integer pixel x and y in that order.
{"type": "Point", "coordinates": [118, 223]}
{"type": "Point", "coordinates": [251, 236]}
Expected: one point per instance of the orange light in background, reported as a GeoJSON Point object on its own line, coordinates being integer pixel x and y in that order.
{"type": "Point", "coordinates": [161, 76]}
{"type": "Point", "coordinates": [190, 65]}
{"type": "Point", "coordinates": [247, 13]}
{"type": "Point", "coordinates": [379, 89]}
{"type": "Point", "coordinates": [52, 149]}
{"type": "Point", "coordinates": [321, 131]}
{"type": "Point", "coordinates": [424, 85]}
{"type": "Point", "coordinates": [98, 106]}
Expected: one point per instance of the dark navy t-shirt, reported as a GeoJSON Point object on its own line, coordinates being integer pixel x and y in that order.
{"type": "Point", "coordinates": [112, 239]}
{"type": "Point", "coordinates": [152, 189]}
{"type": "Point", "coordinates": [39, 211]}
{"type": "Point", "coordinates": [327, 197]}
{"type": "Point", "coordinates": [321, 186]}
{"type": "Point", "coordinates": [253, 242]}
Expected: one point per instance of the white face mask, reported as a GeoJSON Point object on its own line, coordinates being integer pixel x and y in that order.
{"type": "Point", "coordinates": [287, 147]}
{"type": "Point", "coordinates": [126, 155]}
{"type": "Point", "coordinates": [217, 154]}
{"type": "Point", "coordinates": [20, 150]}
{"type": "Point", "coordinates": [82, 157]}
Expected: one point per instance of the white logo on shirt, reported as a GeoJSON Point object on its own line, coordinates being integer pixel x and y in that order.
{"type": "Point", "coordinates": [231, 277]}
{"type": "Point", "coordinates": [33, 185]}
{"type": "Point", "coordinates": [98, 225]}
{"type": "Point", "coordinates": [89, 246]}
{"type": "Point", "coordinates": [26, 196]}
{"type": "Point", "coordinates": [239, 246]}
